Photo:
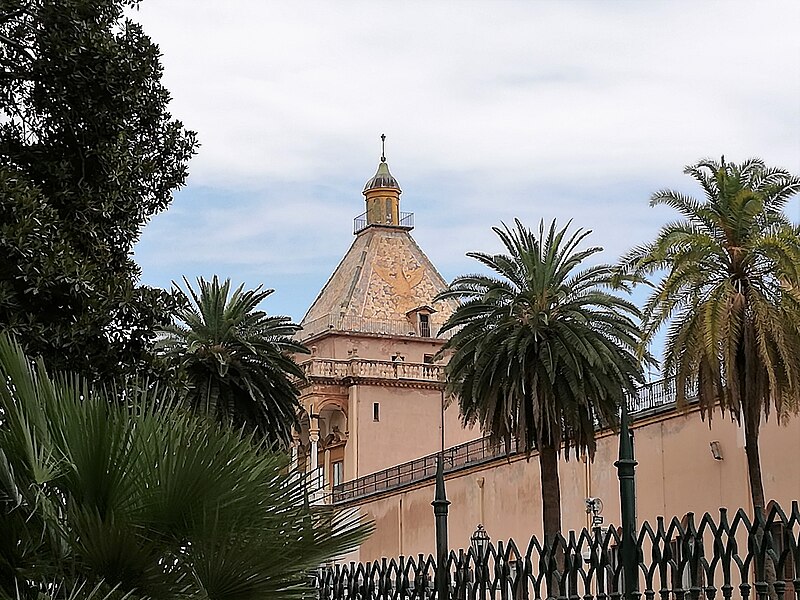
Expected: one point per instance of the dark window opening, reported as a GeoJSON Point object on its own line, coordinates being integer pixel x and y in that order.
{"type": "Point", "coordinates": [389, 212]}
{"type": "Point", "coordinates": [376, 411]}
{"type": "Point", "coordinates": [427, 359]}
{"type": "Point", "coordinates": [424, 325]}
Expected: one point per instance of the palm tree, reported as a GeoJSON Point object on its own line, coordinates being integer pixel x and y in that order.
{"type": "Point", "coordinates": [237, 360]}
{"type": "Point", "coordinates": [542, 352]}
{"type": "Point", "coordinates": [106, 495]}
{"type": "Point", "coordinates": [730, 292]}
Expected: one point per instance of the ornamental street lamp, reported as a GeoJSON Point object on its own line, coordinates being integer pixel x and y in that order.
{"type": "Point", "coordinates": [480, 544]}
{"type": "Point", "coordinates": [514, 571]}
{"type": "Point", "coordinates": [480, 541]}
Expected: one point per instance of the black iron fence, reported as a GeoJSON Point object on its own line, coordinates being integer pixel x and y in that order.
{"type": "Point", "coordinates": [728, 556]}
{"type": "Point", "coordinates": [652, 398]}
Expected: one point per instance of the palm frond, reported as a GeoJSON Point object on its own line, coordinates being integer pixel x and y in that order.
{"type": "Point", "coordinates": [237, 360]}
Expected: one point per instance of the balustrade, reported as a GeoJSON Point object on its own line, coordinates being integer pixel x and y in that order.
{"type": "Point", "coordinates": [371, 369]}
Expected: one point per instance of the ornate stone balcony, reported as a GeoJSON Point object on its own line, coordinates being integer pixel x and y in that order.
{"type": "Point", "coordinates": [361, 368]}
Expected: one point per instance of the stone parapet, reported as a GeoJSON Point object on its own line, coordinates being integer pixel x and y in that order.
{"type": "Point", "coordinates": [360, 368]}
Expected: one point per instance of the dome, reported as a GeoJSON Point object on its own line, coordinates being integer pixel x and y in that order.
{"type": "Point", "coordinates": [382, 179]}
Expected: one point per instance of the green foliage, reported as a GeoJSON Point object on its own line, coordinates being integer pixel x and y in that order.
{"type": "Point", "coordinates": [731, 287]}
{"type": "Point", "coordinates": [88, 153]}
{"type": "Point", "coordinates": [237, 360]}
{"type": "Point", "coordinates": [121, 490]}
{"type": "Point", "coordinates": [542, 351]}
{"type": "Point", "coordinates": [730, 294]}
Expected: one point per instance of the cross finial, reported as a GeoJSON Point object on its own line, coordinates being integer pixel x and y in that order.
{"type": "Point", "coordinates": [383, 147]}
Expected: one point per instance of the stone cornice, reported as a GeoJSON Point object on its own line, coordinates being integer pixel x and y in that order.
{"type": "Point", "coordinates": [382, 382]}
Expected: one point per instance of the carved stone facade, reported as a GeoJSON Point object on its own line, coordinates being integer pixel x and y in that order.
{"type": "Point", "coordinates": [373, 395]}
{"type": "Point", "coordinates": [383, 277]}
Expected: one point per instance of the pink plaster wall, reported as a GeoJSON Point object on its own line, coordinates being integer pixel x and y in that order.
{"type": "Point", "coordinates": [409, 426]}
{"type": "Point", "coordinates": [373, 347]}
{"type": "Point", "coordinates": [676, 474]}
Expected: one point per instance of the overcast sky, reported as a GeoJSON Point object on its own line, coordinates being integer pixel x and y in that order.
{"type": "Point", "coordinates": [492, 110]}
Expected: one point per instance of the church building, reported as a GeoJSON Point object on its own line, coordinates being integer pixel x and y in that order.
{"type": "Point", "coordinates": [374, 393]}
{"type": "Point", "coordinates": [375, 417]}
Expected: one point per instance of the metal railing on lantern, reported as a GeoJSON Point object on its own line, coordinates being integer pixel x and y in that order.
{"type": "Point", "coordinates": [652, 398]}
{"type": "Point", "coordinates": [711, 556]}
{"type": "Point", "coordinates": [406, 222]}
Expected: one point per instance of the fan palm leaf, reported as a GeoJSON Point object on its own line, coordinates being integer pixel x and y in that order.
{"type": "Point", "coordinates": [128, 489]}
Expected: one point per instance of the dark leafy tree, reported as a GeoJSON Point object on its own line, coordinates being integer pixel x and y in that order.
{"type": "Point", "coordinates": [88, 153]}
{"type": "Point", "coordinates": [237, 360]}
{"type": "Point", "coordinates": [729, 291]}
{"type": "Point", "coordinates": [542, 351]}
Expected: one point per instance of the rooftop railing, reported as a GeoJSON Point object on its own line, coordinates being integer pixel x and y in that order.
{"type": "Point", "coordinates": [652, 398]}
{"type": "Point", "coordinates": [406, 222]}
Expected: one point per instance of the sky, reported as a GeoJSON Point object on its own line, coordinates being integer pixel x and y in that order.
{"type": "Point", "coordinates": [492, 110]}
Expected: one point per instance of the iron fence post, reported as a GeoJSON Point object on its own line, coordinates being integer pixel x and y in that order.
{"type": "Point", "coordinates": [440, 504]}
{"type": "Point", "coordinates": [626, 470]}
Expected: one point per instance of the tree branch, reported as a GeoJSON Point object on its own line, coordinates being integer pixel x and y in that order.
{"type": "Point", "coordinates": [21, 48]}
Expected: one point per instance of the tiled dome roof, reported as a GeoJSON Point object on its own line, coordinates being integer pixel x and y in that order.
{"type": "Point", "coordinates": [382, 179]}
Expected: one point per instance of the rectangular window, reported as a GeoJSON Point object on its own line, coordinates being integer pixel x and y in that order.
{"type": "Point", "coordinates": [376, 411]}
{"type": "Point", "coordinates": [427, 359]}
{"type": "Point", "coordinates": [338, 472]}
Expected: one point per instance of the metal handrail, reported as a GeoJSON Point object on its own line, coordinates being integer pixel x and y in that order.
{"type": "Point", "coordinates": [406, 221]}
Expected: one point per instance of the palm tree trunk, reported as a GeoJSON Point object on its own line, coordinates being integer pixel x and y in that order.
{"type": "Point", "coordinates": [551, 492]}
{"type": "Point", "coordinates": [752, 423]}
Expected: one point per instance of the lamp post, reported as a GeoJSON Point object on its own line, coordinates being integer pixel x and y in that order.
{"type": "Point", "coordinates": [440, 504]}
{"type": "Point", "coordinates": [626, 470]}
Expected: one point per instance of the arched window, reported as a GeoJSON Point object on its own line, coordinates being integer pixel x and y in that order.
{"type": "Point", "coordinates": [389, 211]}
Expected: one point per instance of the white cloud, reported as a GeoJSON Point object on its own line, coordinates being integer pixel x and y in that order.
{"type": "Point", "coordinates": [493, 110]}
